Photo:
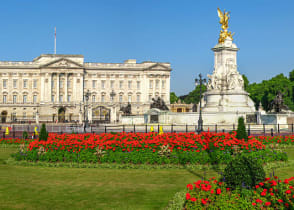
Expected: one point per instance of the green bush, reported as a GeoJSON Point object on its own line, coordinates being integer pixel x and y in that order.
{"type": "Point", "coordinates": [243, 172]}
{"type": "Point", "coordinates": [25, 135]}
{"type": "Point", "coordinates": [241, 130]}
{"type": "Point", "coordinates": [43, 133]}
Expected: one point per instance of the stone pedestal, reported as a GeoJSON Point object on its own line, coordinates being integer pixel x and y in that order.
{"type": "Point", "coordinates": [80, 117]}
{"type": "Point", "coordinates": [226, 86]}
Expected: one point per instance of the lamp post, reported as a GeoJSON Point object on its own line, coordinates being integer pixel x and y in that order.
{"type": "Point", "coordinates": [112, 94]}
{"type": "Point", "coordinates": [200, 121]}
{"type": "Point", "coordinates": [87, 95]}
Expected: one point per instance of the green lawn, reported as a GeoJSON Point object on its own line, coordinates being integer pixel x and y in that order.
{"type": "Point", "coordinates": [35, 187]}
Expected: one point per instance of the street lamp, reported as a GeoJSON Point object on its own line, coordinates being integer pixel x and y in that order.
{"type": "Point", "coordinates": [87, 95]}
{"type": "Point", "coordinates": [112, 94]}
{"type": "Point", "coordinates": [200, 121]}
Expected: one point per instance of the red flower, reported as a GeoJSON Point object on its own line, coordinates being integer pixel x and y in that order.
{"type": "Point", "coordinates": [211, 191]}
{"type": "Point", "coordinates": [193, 199]}
{"type": "Point", "coordinates": [280, 201]}
{"type": "Point", "coordinates": [258, 201]}
{"type": "Point", "coordinates": [256, 186]}
{"type": "Point", "coordinates": [253, 204]}
{"type": "Point", "coordinates": [218, 191]}
{"type": "Point", "coordinates": [288, 192]}
{"type": "Point", "coordinates": [263, 193]}
{"type": "Point", "coordinates": [190, 187]}
{"type": "Point", "coordinates": [203, 201]}
{"type": "Point", "coordinates": [188, 196]}
{"type": "Point", "coordinates": [267, 203]}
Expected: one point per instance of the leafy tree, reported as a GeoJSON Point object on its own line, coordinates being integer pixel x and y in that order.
{"type": "Point", "coordinates": [291, 75]}
{"type": "Point", "coordinates": [266, 91]}
{"type": "Point", "coordinates": [43, 133]}
{"type": "Point", "coordinates": [173, 97]}
{"type": "Point", "coordinates": [246, 82]}
{"type": "Point", "coordinates": [194, 96]}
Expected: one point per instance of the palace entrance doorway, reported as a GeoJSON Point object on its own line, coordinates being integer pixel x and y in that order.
{"type": "Point", "coordinates": [61, 114]}
{"type": "Point", "coordinates": [3, 116]}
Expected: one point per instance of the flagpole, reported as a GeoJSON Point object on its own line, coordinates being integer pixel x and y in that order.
{"type": "Point", "coordinates": [55, 41]}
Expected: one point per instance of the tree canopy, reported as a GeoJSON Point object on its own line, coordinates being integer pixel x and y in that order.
{"type": "Point", "coordinates": [173, 98]}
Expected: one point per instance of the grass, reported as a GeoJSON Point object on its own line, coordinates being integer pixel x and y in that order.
{"type": "Point", "coordinates": [35, 187]}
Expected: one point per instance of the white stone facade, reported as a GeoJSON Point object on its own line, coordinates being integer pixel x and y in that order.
{"type": "Point", "coordinates": [52, 87]}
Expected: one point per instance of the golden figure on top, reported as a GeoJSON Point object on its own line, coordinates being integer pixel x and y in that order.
{"type": "Point", "coordinates": [224, 21]}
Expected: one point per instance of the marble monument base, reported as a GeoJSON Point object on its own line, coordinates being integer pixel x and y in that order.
{"type": "Point", "coordinates": [228, 101]}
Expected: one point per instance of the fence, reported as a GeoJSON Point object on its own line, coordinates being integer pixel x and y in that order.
{"type": "Point", "coordinates": [16, 131]}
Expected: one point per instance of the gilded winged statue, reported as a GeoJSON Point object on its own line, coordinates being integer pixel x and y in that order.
{"type": "Point", "coordinates": [224, 18]}
{"type": "Point", "coordinates": [224, 21]}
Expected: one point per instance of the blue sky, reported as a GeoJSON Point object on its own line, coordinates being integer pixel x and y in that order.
{"type": "Point", "coordinates": [180, 32]}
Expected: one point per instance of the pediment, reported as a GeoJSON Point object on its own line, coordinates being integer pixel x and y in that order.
{"type": "Point", "coordinates": [158, 66]}
{"type": "Point", "coordinates": [63, 63]}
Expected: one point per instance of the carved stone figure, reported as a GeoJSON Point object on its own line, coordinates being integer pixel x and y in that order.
{"type": "Point", "coordinates": [127, 110]}
{"type": "Point", "coordinates": [159, 104]}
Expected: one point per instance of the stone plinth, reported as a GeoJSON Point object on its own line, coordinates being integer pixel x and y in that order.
{"type": "Point", "coordinates": [226, 86]}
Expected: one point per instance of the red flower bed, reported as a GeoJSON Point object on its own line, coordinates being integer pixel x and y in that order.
{"type": "Point", "coordinates": [143, 141]}
{"type": "Point", "coordinates": [272, 192]}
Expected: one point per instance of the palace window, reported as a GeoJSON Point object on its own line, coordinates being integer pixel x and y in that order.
{"type": "Point", "coordinates": [120, 98]}
{"type": "Point", "coordinates": [52, 98]}
{"type": "Point", "coordinates": [157, 84]}
{"type": "Point", "coordinates": [14, 99]}
{"type": "Point", "coordinates": [60, 98]}
{"type": "Point", "coordinates": [5, 83]}
{"type": "Point", "coordinates": [138, 98]}
{"type": "Point", "coordinates": [14, 116]}
{"type": "Point", "coordinates": [25, 83]}
{"type": "Point", "coordinates": [163, 84]}
{"type": "Point", "coordinates": [103, 84]}
{"type": "Point", "coordinates": [68, 83]}
{"type": "Point", "coordinates": [52, 83]}
{"type": "Point", "coordinates": [4, 99]}
{"type": "Point", "coordinates": [151, 84]}
{"type": "Point", "coordinates": [93, 98]}
{"type": "Point", "coordinates": [25, 99]}
{"type": "Point", "coordinates": [130, 84]}
{"type": "Point", "coordinates": [35, 83]}
{"type": "Point", "coordinates": [68, 98]}
{"type": "Point", "coordinates": [103, 98]}
{"type": "Point", "coordinates": [121, 84]}
{"type": "Point", "coordinates": [112, 84]}
{"type": "Point", "coordinates": [15, 83]}
{"type": "Point", "coordinates": [94, 84]}
{"type": "Point", "coordinates": [60, 84]}
{"type": "Point", "coordinates": [35, 99]}
{"type": "Point", "coordinates": [129, 98]}
{"type": "Point", "coordinates": [138, 84]}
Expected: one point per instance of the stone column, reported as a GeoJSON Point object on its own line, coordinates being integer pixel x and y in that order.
{"type": "Point", "coordinates": [80, 117]}
{"type": "Point", "coordinates": [37, 117]}
{"type": "Point", "coordinates": [57, 88]}
{"type": "Point", "coordinates": [90, 114]}
{"type": "Point", "coordinates": [65, 87]}
{"type": "Point", "coordinates": [49, 87]}
{"type": "Point", "coordinates": [42, 85]}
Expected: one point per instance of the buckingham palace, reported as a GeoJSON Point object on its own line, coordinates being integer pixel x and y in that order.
{"type": "Point", "coordinates": [64, 88]}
